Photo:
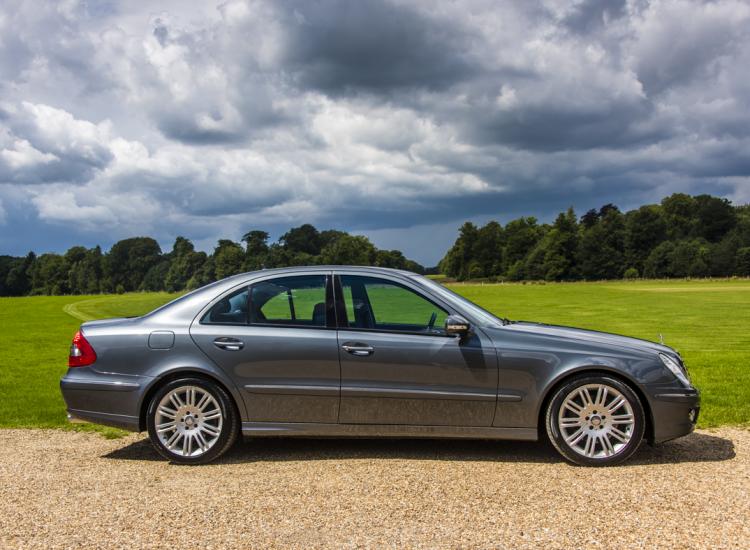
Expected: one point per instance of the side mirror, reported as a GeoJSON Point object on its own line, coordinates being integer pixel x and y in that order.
{"type": "Point", "coordinates": [455, 325]}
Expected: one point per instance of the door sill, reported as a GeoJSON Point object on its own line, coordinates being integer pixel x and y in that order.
{"type": "Point", "coordinates": [310, 429]}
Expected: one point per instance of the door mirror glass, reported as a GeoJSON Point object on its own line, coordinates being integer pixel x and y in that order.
{"type": "Point", "coordinates": [457, 325]}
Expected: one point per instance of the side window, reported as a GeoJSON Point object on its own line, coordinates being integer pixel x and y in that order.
{"type": "Point", "coordinates": [230, 310]}
{"type": "Point", "coordinates": [373, 303]}
{"type": "Point", "coordinates": [292, 301]}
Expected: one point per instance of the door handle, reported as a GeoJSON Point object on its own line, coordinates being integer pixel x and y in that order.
{"type": "Point", "coordinates": [357, 348]}
{"type": "Point", "coordinates": [229, 344]}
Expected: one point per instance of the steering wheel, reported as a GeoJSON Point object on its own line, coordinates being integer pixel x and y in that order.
{"type": "Point", "coordinates": [431, 324]}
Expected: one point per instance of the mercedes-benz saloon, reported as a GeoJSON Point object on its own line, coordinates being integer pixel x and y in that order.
{"type": "Point", "coordinates": [369, 352]}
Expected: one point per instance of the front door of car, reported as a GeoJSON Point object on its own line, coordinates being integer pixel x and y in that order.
{"type": "Point", "coordinates": [399, 367]}
{"type": "Point", "coordinates": [277, 340]}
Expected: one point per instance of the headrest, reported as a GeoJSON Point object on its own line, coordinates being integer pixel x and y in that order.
{"type": "Point", "coordinates": [319, 314]}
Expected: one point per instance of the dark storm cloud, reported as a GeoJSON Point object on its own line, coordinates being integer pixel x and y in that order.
{"type": "Point", "coordinates": [591, 15]}
{"type": "Point", "coordinates": [183, 127]}
{"type": "Point", "coordinates": [340, 46]}
{"type": "Point", "coordinates": [210, 118]}
{"type": "Point", "coordinates": [682, 43]}
{"type": "Point", "coordinates": [555, 127]}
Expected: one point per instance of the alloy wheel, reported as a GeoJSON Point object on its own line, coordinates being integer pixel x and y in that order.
{"type": "Point", "coordinates": [188, 421]}
{"type": "Point", "coordinates": [596, 421]}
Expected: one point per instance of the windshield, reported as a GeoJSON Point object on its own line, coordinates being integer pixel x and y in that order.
{"type": "Point", "coordinates": [484, 317]}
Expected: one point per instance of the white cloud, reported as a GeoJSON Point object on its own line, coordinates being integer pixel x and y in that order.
{"type": "Point", "coordinates": [57, 130]}
{"type": "Point", "coordinates": [62, 206]}
{"type": "Point", "coordinates": [20, 154]}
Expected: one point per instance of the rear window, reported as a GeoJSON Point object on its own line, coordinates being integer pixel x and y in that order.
{"type": "Point", "coordinates": [230, 310]}
{"type": "Point", "coordinates": [293, 301]}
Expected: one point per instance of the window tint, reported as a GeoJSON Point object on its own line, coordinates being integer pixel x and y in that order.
{"type": "Point", "coordinates": [296, 301]}
{"type": "Point", "coordinates": [373, 303]}
{"type": "Point", "coordinates": [230, 310]}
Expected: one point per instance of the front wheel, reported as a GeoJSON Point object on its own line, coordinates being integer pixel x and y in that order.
{"type": "Point", "coordinates": [595, 421]}
{"type": "Point", "coordinates": [192, 421]}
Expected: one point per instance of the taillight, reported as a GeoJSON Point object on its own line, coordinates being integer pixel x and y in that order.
{"type": "Point", "coordinates": [81, 352]}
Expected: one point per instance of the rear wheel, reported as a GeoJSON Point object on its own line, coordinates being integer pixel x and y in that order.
{"type": "Point", "coordinates": [192, 421]}
{"type": "Point", "coordinates": [595, 420]}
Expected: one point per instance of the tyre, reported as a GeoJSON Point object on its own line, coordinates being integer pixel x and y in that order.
{"type": "Point", "coordinates": [192, 421]}
{"type": "Point", "coordinates": [595, 420]}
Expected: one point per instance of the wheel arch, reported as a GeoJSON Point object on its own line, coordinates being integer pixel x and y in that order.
{"type": "Point", "coordinates": [595, 370]}
{"type": "Point", "coordinates": [182, 373]}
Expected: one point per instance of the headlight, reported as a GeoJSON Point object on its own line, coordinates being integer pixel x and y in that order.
{"type": "Point", "coordinates": [676, 369]}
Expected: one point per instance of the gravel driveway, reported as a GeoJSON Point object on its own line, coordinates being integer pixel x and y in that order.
{"type": "Point", "coordinates": [64, 489]}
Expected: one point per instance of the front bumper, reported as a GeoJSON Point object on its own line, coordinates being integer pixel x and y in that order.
{"type": "Point", "coordinates": [675, 413]}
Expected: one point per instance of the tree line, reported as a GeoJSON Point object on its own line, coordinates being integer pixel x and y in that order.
{"type": "Point", "coordinates": [139, 264]}
{"type": "Point", "coordinates": [683, 236]}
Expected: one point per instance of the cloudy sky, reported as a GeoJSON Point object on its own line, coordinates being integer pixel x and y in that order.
{"type": "Point", "coordinates": [395, 119]}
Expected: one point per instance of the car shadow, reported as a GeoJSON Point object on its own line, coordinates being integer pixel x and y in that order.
{"type": "Point", "coordinates": [696, 447]}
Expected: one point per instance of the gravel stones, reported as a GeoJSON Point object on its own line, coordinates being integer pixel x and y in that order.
{"type": "Point", "coordinates": [63, 489]}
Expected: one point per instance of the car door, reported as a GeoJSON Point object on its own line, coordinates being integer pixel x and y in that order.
{"type": "Point", "coordinates": [398, 366]}
{"type": "Point", "coordinates": [277, 339]}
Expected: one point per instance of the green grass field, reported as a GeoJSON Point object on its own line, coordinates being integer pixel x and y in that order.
{"type": "Point", "coordinates": [707, 321]}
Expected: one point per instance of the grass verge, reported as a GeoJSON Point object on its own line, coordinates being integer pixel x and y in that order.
{"type": "Point", "coordinates": [707, 321]}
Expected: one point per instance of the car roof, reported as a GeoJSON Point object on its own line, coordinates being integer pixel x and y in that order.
{"type": "Point", "coordinates": [355, 268]}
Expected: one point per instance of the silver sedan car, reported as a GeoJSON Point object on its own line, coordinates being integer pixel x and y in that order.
{"type": "Point", "coordinates": [368, 352]}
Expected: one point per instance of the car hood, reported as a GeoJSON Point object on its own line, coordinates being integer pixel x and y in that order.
{"type": "Point", "coordinates": [590, 336]}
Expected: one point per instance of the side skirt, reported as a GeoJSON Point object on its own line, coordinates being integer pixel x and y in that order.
{"type": "Point", "coordinates": [276, 429]}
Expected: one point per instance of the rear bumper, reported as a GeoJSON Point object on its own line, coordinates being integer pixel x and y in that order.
{"type": "Point", "coordinates": [102, 398]}
{"type": "Point", "coordinates": [130, 423]}
{"type": "Point", "coordinates": [675, 413]}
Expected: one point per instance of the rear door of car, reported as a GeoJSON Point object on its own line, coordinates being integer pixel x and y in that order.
{"type": "Point", "coordinates": [398, 368]}
{"type": "Point", "coordinates": [277, 339]}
